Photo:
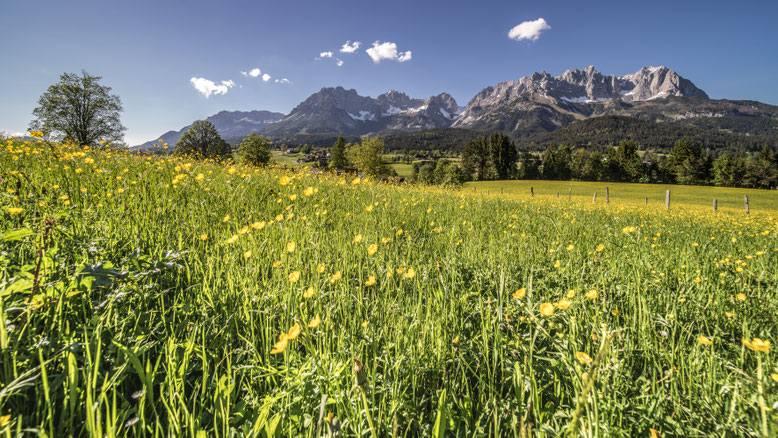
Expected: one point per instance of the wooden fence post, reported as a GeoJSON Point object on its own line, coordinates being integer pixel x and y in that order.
{"type": "Point", "coordinates": [667, 199]}
{"type": "Point", "coordinates": [607, 196]}
{"type": "Point", "coordinates": [746, 199]}
{"type": "Point", "coordinates": [595, 197]}
{"type": "Point", "coordinates": [557, 195]}
{"type": "Point", "coordinates": [715, 204]}
{"type": "Point", "coordinates": [570, 194]}
{"type": "Point", "coordinates": [532, 191]}
{"type": "Point", "coordinates": [646, 200]}
{"type": "Point", "coordinates": [501, 190]}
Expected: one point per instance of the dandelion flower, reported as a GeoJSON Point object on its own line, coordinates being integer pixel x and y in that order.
{"type": "Point", "coordinates": [233, 239]}
{"type": "Point", "coordinates": [285, 180]}
{"type": "Point", "coordinates": [309, 191]}
{"type": "Point", "coordinates": [13, 211]}
{"type": "Point", "coordinates": [600, 248]}
{"type": "Point", "coordinates": [247, 254]}
{"type": "Point", "coordinates": [258, 225]}
{"type": "Point", "coordinates": [357, 238]}
{"type": "Point", "coordinates": [546, 309]}
{"type": "Point", "coordinates": [583, 358]}
{"type": "Point", "coordinates": [290, 247]}
{"type": "Point", "coordinates": [308, 293]}
{"type": "Point", "coordinates": [294, 276]}
{"type": "Point", "coordinates": [757, 344]}
{"type": "Point", "coordinates": [226, 218]}
{"type": "Point", "coordinates": [314, 322]}
{"type": "Point", "coordinates": [280, 346]}
{"type": "Point", "coordinates": [294, 331]}
{"type": "Point", "coordinates": [365, 323]}
{"type": "Point", "coordinates": [370, 281]}
{"type": "Point", "coordinates": [372, 249]}
{"type": "Point", "coordinates": [562, 304]}
{"type": "Point", "coordinates": [520, 293]}
{"type": "Point", "coordinates": [455, 340]}
{"type": "Point", "coordinates": [557, 264]}
{"type": "Point", "coordinates": [336, 276]}
{"type": "Point", "coordinates": [410, 273]}
{"type": "Point", "coordinates": [320, 268]}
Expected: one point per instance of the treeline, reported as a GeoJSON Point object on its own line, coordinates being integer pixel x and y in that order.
{"type": "Point", "coordinates": [598, 132]}
{"type": "Point", "coordinates": [496, 157]}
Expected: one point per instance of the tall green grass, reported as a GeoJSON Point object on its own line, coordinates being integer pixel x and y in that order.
{"type": "Point", "coordinates": [163, 284]}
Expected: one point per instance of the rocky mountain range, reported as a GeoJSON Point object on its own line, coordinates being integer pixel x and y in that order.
{"type": "Point", "coordinates": [530, 106]}
{"type": "Point", "coordinates": [341, 111]}
{"type": "Point", "coordinates": [230, 125]}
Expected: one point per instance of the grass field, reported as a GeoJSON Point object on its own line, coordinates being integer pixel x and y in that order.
{"type": "Point", "coordinates": [162, 296]}
{"type": "Point", "coordinates": [627, 193]}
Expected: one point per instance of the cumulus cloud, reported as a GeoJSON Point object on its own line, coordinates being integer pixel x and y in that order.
{"type": "Point", "coordinates": [254, 72]}
{"type": "Point", "coordinates": [387, 50]}
{"type": "Point", "coordinates": [338, 62]}
{"type": "Point", "coordinates": [350, 47]}
{"type": "Point", "coordinates": [528, 30]}
{"type": "Point", "coordinates": [208, 87]}
{"type": "Point", "coordinates": [325, 55]}
{"type": "Point", "coordinates": [265, 77]}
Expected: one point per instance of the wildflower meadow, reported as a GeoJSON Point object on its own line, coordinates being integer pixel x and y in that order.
{"type": "Point", "coordinates": [158, 295]}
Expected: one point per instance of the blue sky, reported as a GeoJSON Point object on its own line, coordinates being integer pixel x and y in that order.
{"type": "Point", "coordinates": [149, 51]}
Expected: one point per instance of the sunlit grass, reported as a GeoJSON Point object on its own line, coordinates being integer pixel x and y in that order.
{"type": "Point", "coordinates": [177, 297]}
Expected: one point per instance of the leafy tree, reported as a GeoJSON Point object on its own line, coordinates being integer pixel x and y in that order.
{"type": "Point", "coordinates": [368, 157]}
{"type": "Point", "coordinates": [79, 109]}
{"type": "Point", "coordinates": [502, 155]}
{"type": "Point", "coordinates": [556, 162]}
{"type": "Point", "coordinates": [255, 149]}
{"type": "Point", "coordinates": [762, 170]}
{"type": "Point", "coordinates": [689, 163]}
{"type": "Point", "coordinates": [529, 166]}
{"type": "Point", "coordinates": [475, 159]}
{"type": "Point", "coordinates": [338, 155]}
{"type": "Point", "coordinates": [203, 141]}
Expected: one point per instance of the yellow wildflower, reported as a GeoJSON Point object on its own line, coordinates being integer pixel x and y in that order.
{"type": "Point", "coordinates": [546, 309]}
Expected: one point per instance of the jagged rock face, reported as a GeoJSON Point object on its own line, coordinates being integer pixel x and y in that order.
{"type": "Point", "coordinates": [576, 93]}
{"type": "Point", "coordinates": [341, 111]}
{"type": "Point", "coordinates": [229, 124]}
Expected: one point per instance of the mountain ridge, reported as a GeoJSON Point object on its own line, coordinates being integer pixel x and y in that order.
{"type": "Point", "coordinates": [531, 105]}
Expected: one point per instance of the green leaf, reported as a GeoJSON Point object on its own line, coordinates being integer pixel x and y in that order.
{"type": "Point", "coordinates": [441, 422]}
{"type": "Point", "coordinates": [14, 235]}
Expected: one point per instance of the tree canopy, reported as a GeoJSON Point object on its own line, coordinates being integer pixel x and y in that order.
{"type": "Point", "coordinates": [79, 109]}
{"type": "Point", "coordinates": [203, 141]}
{"type": "Point", "coordinates": [368, 157]}
{"type": "Point", "coordinates": [255, 149]}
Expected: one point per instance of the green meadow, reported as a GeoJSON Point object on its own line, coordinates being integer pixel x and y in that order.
{"type": "Point", "coordinates": [165, 296]}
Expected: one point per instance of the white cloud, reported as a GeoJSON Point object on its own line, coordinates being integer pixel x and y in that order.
{"type": "Point", "coordinates": [265, 77]}
{"type": "Point", "coordinates": [528, 30]}
{"type": "Point", "coordinates": [282, 81]}
{"type": "Point", "coordinates": [387, 50]}
{"type": "Point", "coordinates": [208, 87]}
{"type": "Point", "coordinates": [254, 72]}
{"type": "Point", "coordinates": [339, 62]}
{"type": "Point", "coordinates": [350, 47]}
{"type": "Point", "coordinates": [325, 55]}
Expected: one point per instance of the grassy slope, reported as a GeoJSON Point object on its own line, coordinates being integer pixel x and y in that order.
{"type": "Point", "coordinates": [627, 193]}
{"type": "Point", "coordinates": [176, 336]}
